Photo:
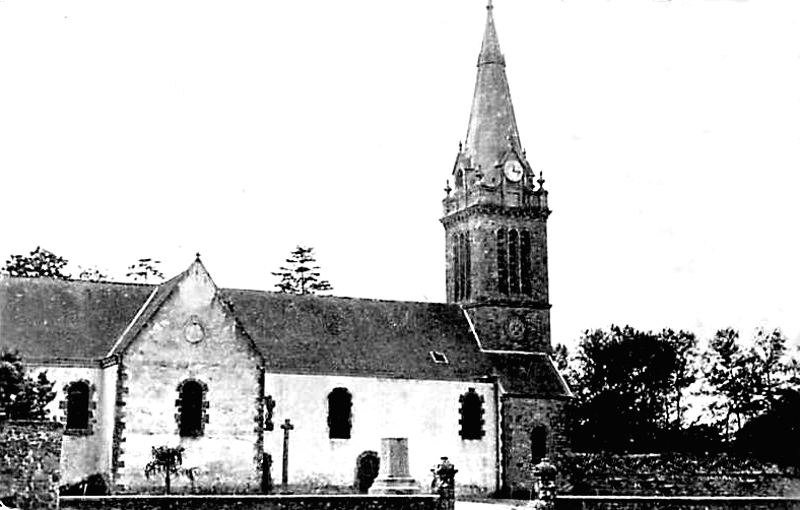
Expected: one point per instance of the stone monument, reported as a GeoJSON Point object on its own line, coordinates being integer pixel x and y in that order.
{"type": "Point", "coordinates": [394, 476]}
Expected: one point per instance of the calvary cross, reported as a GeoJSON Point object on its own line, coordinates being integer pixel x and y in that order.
{"type": "Point", "coordinates": [287, 426]}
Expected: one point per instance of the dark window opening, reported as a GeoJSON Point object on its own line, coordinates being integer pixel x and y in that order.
{"type": "Point", "coordinates": [525, 260]}
{"type": "Point", "coordinates": [456, 269]}
{"type": "Point", "coordinates": [467, 267]}
{"type": "Point", "coordinates": [78, 406]}
{"type": "Point", "coordinates": [538, 443]}
{"type": "Point", "coordinates": [502, 262]}
{"type": "Point", "coordinates": [438, 357]}
{"type": "Point", "coordinates": [471, 415]}
{"type": "Point", "coordinates": [191, 409]}
{"type": "Point", "coordinates": [340, 405]}
{"type": "Point", "coordinates": [513, 261]}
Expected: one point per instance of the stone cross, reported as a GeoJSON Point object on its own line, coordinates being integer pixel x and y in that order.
{"type": "Point", "coordinates": [287, 426]}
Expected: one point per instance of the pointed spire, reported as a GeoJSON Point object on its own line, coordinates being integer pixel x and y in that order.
{"type": "Point", "coordinates": [492, 126]}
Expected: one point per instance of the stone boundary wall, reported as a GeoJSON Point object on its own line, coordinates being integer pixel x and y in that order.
{"type": "Point", "coordinates": [674, 503]}
{"type": "Point", "coordinates": [676, 475]}
{"type": "Point", "coordinates": [30, 452]}
{"type": "Point", "coordinates": [245, 502]}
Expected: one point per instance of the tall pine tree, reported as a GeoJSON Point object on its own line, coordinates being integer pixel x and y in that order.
{"type": "Point", "coordinates": [300, 275]}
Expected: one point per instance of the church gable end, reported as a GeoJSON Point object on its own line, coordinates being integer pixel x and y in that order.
{"type": "Point", "coordinates": [192, 378]}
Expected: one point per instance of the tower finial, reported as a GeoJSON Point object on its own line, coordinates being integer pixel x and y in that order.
{"type": "Point", "coordinates": [489, 5]}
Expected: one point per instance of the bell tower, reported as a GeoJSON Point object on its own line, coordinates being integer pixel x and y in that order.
{"type": "Point", "coordinates": [495, 219]}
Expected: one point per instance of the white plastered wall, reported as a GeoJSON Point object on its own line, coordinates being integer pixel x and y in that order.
{"type": "Point", "coordinates": [425, 412]}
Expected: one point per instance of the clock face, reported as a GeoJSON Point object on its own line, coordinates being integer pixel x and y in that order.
{"type": "Point", "coordinates": [513, 170]}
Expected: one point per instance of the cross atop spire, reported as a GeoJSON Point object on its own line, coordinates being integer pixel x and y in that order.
{"type": "Point", "coordinates": [490, 48]}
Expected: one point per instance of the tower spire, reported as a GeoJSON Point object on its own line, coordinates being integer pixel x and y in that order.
{"type": "Point", "coordinates": [492, 128]}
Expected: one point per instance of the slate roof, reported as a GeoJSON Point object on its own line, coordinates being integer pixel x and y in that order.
{"type": "Point", "coordinates": [45, 318]}
{"type": "Point", "coordinates": [51, 319]}
{"type": "Point", "coordinates": [492, 127]}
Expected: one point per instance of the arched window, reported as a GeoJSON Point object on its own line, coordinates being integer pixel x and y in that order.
{"type": "Point", "coordinates": [513, 261]}
{"type": "Point", "coordinates": [471, 415]}
{"type": "Point", "coordinates": [340, 405]}
{"type": "Point", "coordinates": [538, 443]}
{"type": "Point", "coordinates": [462, 285]}
{"type": "Point", "coordinates": [456, 268]}
{"type": "Point", "coordinates": [192, 408]}
{"type": "Point", "coordinates": [525, 263]}
{"type": "Point", "coordinates": [78, 406]}
{"type": "Point", "coordinates": [467, 267]}
{"type": "Point", "coordinates": [502, 262]}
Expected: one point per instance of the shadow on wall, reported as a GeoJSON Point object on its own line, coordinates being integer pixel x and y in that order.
{"type": "Point", "coordinates": [93, 485]}
{"type": "Point", "coordinates": [367, 466]}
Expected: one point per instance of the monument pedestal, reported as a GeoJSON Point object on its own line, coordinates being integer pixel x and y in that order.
{"type": "Point", "coordinates": [394, 476]}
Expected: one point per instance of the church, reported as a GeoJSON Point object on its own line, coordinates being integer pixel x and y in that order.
{"type": "Point", "coordinates": [297, 391]}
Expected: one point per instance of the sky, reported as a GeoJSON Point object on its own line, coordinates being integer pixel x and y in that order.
{"type": "Point", "coordinates": [668, 133]}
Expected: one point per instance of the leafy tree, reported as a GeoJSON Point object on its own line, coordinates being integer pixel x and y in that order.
{"type": "Point", "coordinates": [23, 397]}
{"type": "Point", "coordinates": [744, 380]}
{"type": "Point", "coordinates": [167, 461]}
{"type": "Point", "coordinates": [629, 386]}
{"type": "Point", "coordinates": [39, 264]}
{"type": "Point", "coordinates": [683, 349]}
{"type": "Point", "coordinates": [145, 270]}
{"type": "Point", "coordinates": [561, 357]}
{"type": "Point", "coordinates": [564, 362]}
{"type": "Point", "coordinates": [92, 274]}
{"type": "Point", "coordinates": [301, 276]}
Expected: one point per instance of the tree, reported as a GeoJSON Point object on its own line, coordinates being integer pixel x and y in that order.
{"type": "Point", "coordinates": [167, 461]}
{"type": "Point", "coordinates": [564, 362]}
{"type": "Point", "coordinates": [301, 276]}
{"type": "Point", "coordinates": [92, 274]}
{"type": "Point", "coordinates": [145, 270]}
{"type": "Point", "coordinates": [23, 397]}
{"type": "Point", "coordinates": [684, 371]}
{"type": "Point", "coordinates": [744, 380]}
{"type": "Point", "coordinates": [39, 264]}
{"type": "Point", "coordinates": [629, 384]}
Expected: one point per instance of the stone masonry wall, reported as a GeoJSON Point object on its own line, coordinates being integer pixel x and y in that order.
{"type": "Point", "coordinates": [29, 464]}
{"type": "Point", "coordinates": [519, 416]}
{"type": "Point", "coordinates": [192, 336]}
{"type": "Point", "coordinates": [483, 255]}
{"type": "Point", "coordinates": [673, 503]}
{"type": "Point", "coordinates": [348, 502]}
{"type": "Point", "coordinates": [675, 475]}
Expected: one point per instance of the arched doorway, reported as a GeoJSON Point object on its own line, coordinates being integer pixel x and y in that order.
{"type": "Point", "coordinates": [367, 466]}
{"type": "Point", "coordinates": [538, 443]}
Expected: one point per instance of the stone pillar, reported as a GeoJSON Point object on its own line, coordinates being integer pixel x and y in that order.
{"type": "Point", "coordinates": [394, 476]}
{"type": "Point", "coordinates": [544, 485]}
{"type": "Point", "coordinates": [444, 483]}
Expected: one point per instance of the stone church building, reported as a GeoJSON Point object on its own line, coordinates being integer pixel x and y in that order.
{"type": "Point", "coordinates": [222, 371]}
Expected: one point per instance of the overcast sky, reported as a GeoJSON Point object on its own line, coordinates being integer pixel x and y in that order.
{"type": "Point", "coordinates": [668, 132]}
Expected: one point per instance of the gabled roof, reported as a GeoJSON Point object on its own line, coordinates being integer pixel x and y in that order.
{"type": "Point", "coordinates": [49, 319]}
{"type": "Point", "coordinates": [154, 301]}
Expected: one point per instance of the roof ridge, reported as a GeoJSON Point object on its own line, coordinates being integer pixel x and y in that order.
{"type": "Point", "coordinates": [77, 280]}
{"type": "Point", "coordinates": [333, 297]}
